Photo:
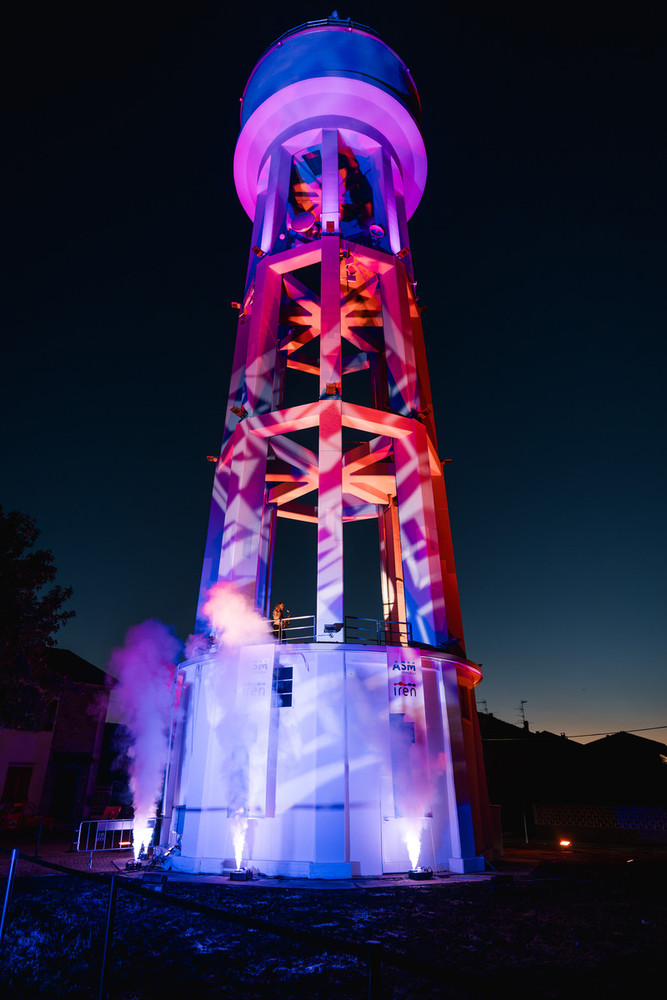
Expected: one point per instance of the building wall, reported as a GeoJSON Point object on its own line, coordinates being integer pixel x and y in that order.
{"type": "Point", "coordinates": [19, 748]}
{"type": "Point", "coordinates": [323, 757]}
{"type": "Point", "coordinates": [75, 753]}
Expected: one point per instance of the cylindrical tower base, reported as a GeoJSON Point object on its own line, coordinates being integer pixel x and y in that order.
{"type": "Point", "coordinates": [325, 761]}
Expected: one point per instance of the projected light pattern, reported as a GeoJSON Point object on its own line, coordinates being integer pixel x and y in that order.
{"type": "Point", "coordinates": [291, 328]}
{"type": "Point", "coordinates": [347, 754]}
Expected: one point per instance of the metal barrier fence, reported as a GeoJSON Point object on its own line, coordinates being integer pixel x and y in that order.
{"type": "Point", "coordinates": [105, 835]}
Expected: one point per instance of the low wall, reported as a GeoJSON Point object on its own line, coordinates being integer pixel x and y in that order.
{"type": "Point", "coordinates": [620, 824]}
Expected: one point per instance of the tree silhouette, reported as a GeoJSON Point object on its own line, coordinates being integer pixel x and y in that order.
{"type": "Point", "coordinates": [30, 615]}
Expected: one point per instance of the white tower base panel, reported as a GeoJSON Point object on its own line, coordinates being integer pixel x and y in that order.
{"type": "Point", "coordinates": [271, 868]}
{"type": "Point", "coordinates": [321, 761]}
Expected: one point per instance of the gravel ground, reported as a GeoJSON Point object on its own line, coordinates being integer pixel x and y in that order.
{"type": "Point", "coordinates": [561, 926]}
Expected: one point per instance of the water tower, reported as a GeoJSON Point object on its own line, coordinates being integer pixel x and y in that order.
{"type": "Point", "coordinates": [341, 745]}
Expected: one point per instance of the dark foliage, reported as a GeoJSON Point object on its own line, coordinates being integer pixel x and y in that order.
{"type": "Point", "coordinates": [31, 612]}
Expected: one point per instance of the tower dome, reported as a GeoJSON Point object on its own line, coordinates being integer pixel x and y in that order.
{"type": "Point", "coordinates": [340, 75]}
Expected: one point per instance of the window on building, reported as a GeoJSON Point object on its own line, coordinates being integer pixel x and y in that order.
{"type": "Point", "coordinates": [282, 686]}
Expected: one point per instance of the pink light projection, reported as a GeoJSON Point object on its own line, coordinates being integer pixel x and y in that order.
{"type": "Point", "coordinates": [337, 751]}
{"type": "Point", "coordinates": [339, 101]}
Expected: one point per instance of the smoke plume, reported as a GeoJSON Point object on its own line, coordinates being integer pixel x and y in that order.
{"type": "Point", "coordinates": [145, 668]}
{"type": "Point", "coordinates": [233, 617]}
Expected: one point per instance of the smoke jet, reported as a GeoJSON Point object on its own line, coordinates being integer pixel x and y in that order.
{"type": "Point", "coordinates": [145, 667]}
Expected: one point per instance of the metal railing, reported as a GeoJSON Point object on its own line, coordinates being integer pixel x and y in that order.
{"type": "Point", "coordinates": [367, 631]}
{"type": "Point", "coordinates": [375, 632]}
{"type": "Point", "coordinates": [294, 629]}
{"type": "Point", "coordinates": [334, 22]}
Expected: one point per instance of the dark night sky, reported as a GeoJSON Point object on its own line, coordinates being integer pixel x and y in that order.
{"type": "Point", "coordinates": [539, 248]}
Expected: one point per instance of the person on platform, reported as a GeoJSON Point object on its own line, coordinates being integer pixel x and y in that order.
{"type": "Point", "coordinates": [280, 621]}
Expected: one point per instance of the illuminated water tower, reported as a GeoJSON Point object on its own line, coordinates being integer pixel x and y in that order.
{"type": "Point", "coordinates": [340, 744]}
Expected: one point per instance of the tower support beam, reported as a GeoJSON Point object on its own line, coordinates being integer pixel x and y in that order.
{"type": "Point", "coordinates": [242, 534]}
{"type": "Point", "coordinates": [330, 522]}
{"type": "Point", "coordinates": [424, 597]}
